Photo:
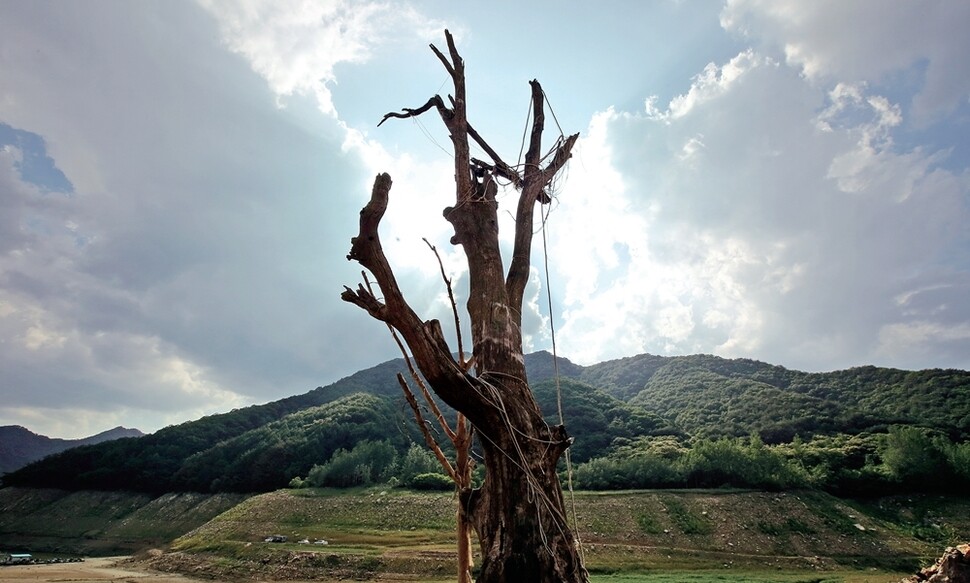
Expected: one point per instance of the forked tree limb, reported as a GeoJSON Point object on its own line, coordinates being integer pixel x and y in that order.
{"type": "Point", "coordinates": [366, 249]}
{"type": "Point", "coordinates": [426, 339]}
{"type": "Point", "coordinates": [533, 181]}
{"type": "Point", "coordinates": [366, 301]}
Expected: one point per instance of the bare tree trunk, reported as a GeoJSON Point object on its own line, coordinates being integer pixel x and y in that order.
{"type": "Point", "coordinates": [518, 513]}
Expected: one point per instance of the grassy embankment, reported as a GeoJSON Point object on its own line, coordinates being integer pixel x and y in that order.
{"type": "Point", "coordinates": [733, 535]}
{"type": "Point", "coordinates": [101, 523]}
{"type": "Point", "coordinates": [629, 537]}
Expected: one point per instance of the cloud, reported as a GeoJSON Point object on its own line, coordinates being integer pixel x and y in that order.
{"type": "Point", "coordinates": [867, 41]}
{"type": "Point", "coordinates": [296, 44]}
{"type": "Point", "coordinates": [758, 215]}
{"type": "Point", "coordinates": [179, 182]}
{"type": "Point", "coordinates": [196, 263]}
{"type": "Point", "coordinates": [708, 85]}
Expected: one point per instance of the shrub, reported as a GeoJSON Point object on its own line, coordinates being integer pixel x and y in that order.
{"type": "Point", "coordinates": [741, 463]}
{"type": "Point", "coordinates": [432, 481]}
{"type": "Point", "coordinates": [910, 454]}
{"type": "Point", "coordinates": [642, 471]}
{"type": "Point", "coordinates": [369, 462]}
{"type": "Point", "coordinates": [418, 460]}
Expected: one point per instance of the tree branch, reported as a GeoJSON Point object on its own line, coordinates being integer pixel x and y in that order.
{"type": "Point", "coordinates": [532, 188]}
{"type": "Point", "coordinates": [563, 153]}
{"type": "Point", "coordinates": [428, 438]}
{"type": "Point", "coordinates": [441, 57]}
{"type": "Point", "coordinates": [451, 298]}
{"type": "Point", "coordinates": [503, 169]}
{"type": "Point", "coordinates": [535, 184]}
{"type": "Point", "coordinates": [457, 124]}
{"type": "Point", "coordinates": [533, 154]}
{"type": "Point", "coordinates": [365, 300]}
{"type": "Point", "coordinates": [435, 101]}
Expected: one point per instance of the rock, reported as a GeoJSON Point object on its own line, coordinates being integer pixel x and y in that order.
{"type": "Point", "coordinates": [952, 567]}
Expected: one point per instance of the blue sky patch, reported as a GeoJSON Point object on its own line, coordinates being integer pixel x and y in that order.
{"type": "Point", "coordinates": [35, 166]}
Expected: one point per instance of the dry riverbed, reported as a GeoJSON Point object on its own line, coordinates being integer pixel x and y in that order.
{"type": "Point", "coordinates": [90, 571]}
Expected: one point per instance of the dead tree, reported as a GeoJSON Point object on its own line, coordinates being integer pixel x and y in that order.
{"type": "Point", "coordinates": [518, 513]}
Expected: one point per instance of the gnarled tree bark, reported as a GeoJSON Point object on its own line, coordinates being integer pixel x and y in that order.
{"type": "Point", "coordinates": [518, 513]}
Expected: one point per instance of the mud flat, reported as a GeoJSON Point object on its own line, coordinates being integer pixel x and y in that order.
{"type": "Point", "coordinates": [89, 571]}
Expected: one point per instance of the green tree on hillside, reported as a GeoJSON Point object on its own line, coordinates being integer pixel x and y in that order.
{"type": "Point", "coordinates": [368, 462]}
{"type": "Point", "coordinates": [418, 460]}
{"type": "Point", "coordinates": [912, 455]}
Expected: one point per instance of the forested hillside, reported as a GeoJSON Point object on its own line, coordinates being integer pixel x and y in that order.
{"type": "Point", "coordinates": [216, 453]}
{"type": "Point", "coordinates": [708, 396]}
{"type": "Point", "coordinates": [642, 421]}
{"type": "Point", "coordinates": [859, 432]}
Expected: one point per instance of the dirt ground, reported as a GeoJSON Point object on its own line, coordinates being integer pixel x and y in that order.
{"type": "Point", "coordinates": [90, 571]}
{"type": "Point", "coordinates": [105, 569]}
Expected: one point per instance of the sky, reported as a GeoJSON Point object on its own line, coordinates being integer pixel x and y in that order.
{"type": "Point", "coordinates": [779, 180]}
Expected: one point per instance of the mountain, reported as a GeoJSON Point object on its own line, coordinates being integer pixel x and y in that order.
{"type": "Point", "coordinates": [606, 405]}
{"type": "Point", "coordinates": [594, 418]}
{"type": "Point", "coordinates": [19, 446]}
{"type": "Point", "coordinates": [709, 396]}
